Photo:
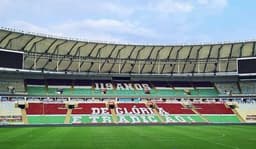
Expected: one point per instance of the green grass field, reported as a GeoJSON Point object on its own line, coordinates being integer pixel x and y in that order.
{"type": "Point", "coordinates": [129, 137]}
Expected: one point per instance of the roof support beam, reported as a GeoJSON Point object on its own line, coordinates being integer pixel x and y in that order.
{"type": "Point", "coordinates": [208, 56]}
{"type": "Point", "coordinates": [136, 59]}
{"type": "Point", "coordinates": [230, 56]}
{"type": "Point", "coordinates": [97, 57]}
{"type": "Point", "coordinates": [56, 49]}
{"type": "Point", "coordinates": [197, 59]}
{"type": "Point", "coordinates": [169, 55]}
{"type": "Point", "coordinates": [218, 58]}
{"type": "Point", "coordinates": [151, 51]}
{"type": "Point", "coordinates": [46, 51]}
{"type": "Point", "coordinates": [26, 44]}
{"type": "Point", "coordinates": [253, 49]}
{"type": "Point", "coordinates": [33, 47]}
{"type": "Point", "coordinates": [157, 58]}
{"type": "Point", "coordinates": [121, 70]}
{"type": "Point", "coordinates": [186, 60]}
{"type": "Point", "coordinates": [6, 36]}
{"type": "Point", "coordinates": [113, 49]}
{"type": "Point", "coordinates": [9, 43]}
{"type": "Point", "coordinates": [118, 58]}
{"type": "Point", "coordinates": [176, 60]}
{"type": "Point", "coordinates": [95, 45]}
{"type": "Point", "coordinates": [77, 52]}
{"type": "Point", "coordinates": [241, 49]}
{"type": "Point", "coordinates": [68, 52]}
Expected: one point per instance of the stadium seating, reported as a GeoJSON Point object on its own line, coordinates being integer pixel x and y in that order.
{"type": "Point", "coordinates": [46, 113]}
{"type": "Point", "coordinates": [247, 112]}
{"type": "Point", "coordinates": [136, 113]}
{"type": "Point", "coordinates": [46, 108]}
{"type": "Point", "coordinates": [35, 108]}
{"type": "Point", "coordinates": [9, 113]}
{"type": "Point", "coordinates": [227, 88]}
{"type": "Point", "coordinates": [156, 90]}
{"type": "Point", "coordinates": [174, 108]}
{"type": "Point", "coordinates": [81, 91]}
{"type": "Point", "coordinates": [64, 81]}
{"type": "Point", "coordinates": [213, 108]}
{"type": "Point", "coordinates": [248, 87]}
{"type": "Point", "coordinates": [207, 92]}
{"type": "Point", "coordinates": [223, 118]}
{"type": "Point", "coordinates": [216, 112]}
{"type": "Point", "coordinates": [38, 112]}
{"type": "Point", "coordinates": [9, 108]}
{"type": "Point", "coordinates": [46, 119]}
{"type": "Point", "coordinates": [86, 108]}
{"type": "Point", "coordinates": [129, 106]}
{"type": "Point", "coordinates": [18, 85]}
{"type": "Point", "coordinates": [36, 90]}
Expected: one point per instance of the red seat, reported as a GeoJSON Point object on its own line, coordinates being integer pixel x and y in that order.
{"type": "Point", "coordinates": [129, 106]}
{"type": "Point", "coordinates": [174, 108]}
{"type": "Point", "coordinates": [85, 108]}
{"type": "Point", "coordinates": [212, 108]}
{"type": "Point", "coordinates": [46, 108]}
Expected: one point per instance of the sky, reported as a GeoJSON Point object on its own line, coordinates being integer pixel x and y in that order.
{"type": "Point", "coordinates": [134, 21]}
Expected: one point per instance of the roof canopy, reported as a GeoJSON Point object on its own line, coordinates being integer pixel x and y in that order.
{"type": "Point", "coordinates": [43, 52]}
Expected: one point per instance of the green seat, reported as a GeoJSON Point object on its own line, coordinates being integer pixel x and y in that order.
{"type": "Point", "coordinates": [46, 119]}
{"type": "Point", "coordinates": [222, 119]}
{"type": "Point", "coordinates": [207, 92]}
{"type": "Point", "coordinates": [36, 90]}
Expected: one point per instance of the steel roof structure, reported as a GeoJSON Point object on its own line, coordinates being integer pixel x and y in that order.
{"type": "Point", "coordinates": [49, 53]}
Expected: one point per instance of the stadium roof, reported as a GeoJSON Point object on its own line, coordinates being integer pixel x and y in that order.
{"type": "Point", "coordinates": [44, 52]}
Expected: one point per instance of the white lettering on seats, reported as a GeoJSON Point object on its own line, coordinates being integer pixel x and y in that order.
{"type": "Point", "coordinates": [76, 119]}
{"type": "Point", "coordinates": [94, 119]}
{"type": "Point", "coordinates": [122, 119]}
{"type": "Point", "coordinates": [128, 86]}
{"type": "Point", "coordinates": [104, 111]}
{"type": "Point", "coordinates": [95, 111]}
{"type": "Point", "coordinates": [135, 119]}
{"type": "Point", "coordinates": [152, 118]}
{"type": "Point", "coordinates": [162, 111]}
{"type": "Point", "coordinates": [137, 86]}
{"type": "Point", "coordinates": [180, 119]}
{"type": "Point", "coordinates": [106, 119]}
{"type": "Point", "coordinates": [146, 87]}
{"type": "Point", "coordinates": [109, 86]}
{"type": "Point", "coordinates": [168, 119]}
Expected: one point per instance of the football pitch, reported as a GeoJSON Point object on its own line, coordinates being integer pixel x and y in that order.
{"type": "Point", "coordinates": [129, 137]}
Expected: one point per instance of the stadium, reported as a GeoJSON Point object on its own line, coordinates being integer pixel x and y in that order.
{"type": "Point", "coordinates": [115, 74]}
{"type": "Point", "coordinates": [169, 96]}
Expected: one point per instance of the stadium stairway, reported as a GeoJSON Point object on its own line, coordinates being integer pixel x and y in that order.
{"type": "Point", "coordinates": [238, 115]}
{"type": "Point", "coordinates": [112, 106]}
{"type": "Point", "coordinates": [154, 108]}
{"type": "Point", "coordinates": [68, 115]}
{"type": "Point", "coordinates": [24, 116]}
{"type": "Point", "coordinates": [247, 111]}
{"type": "Point", "coordinates": [195, 111]}
{"type": "Point", "coordinates": [23, 112]}
{"type": "Point", "coordinates": [177, 113]}
{"type": "Point", "coordinates": [236, 112]}
{"type": "Point", "coordinates": [216, 112]}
